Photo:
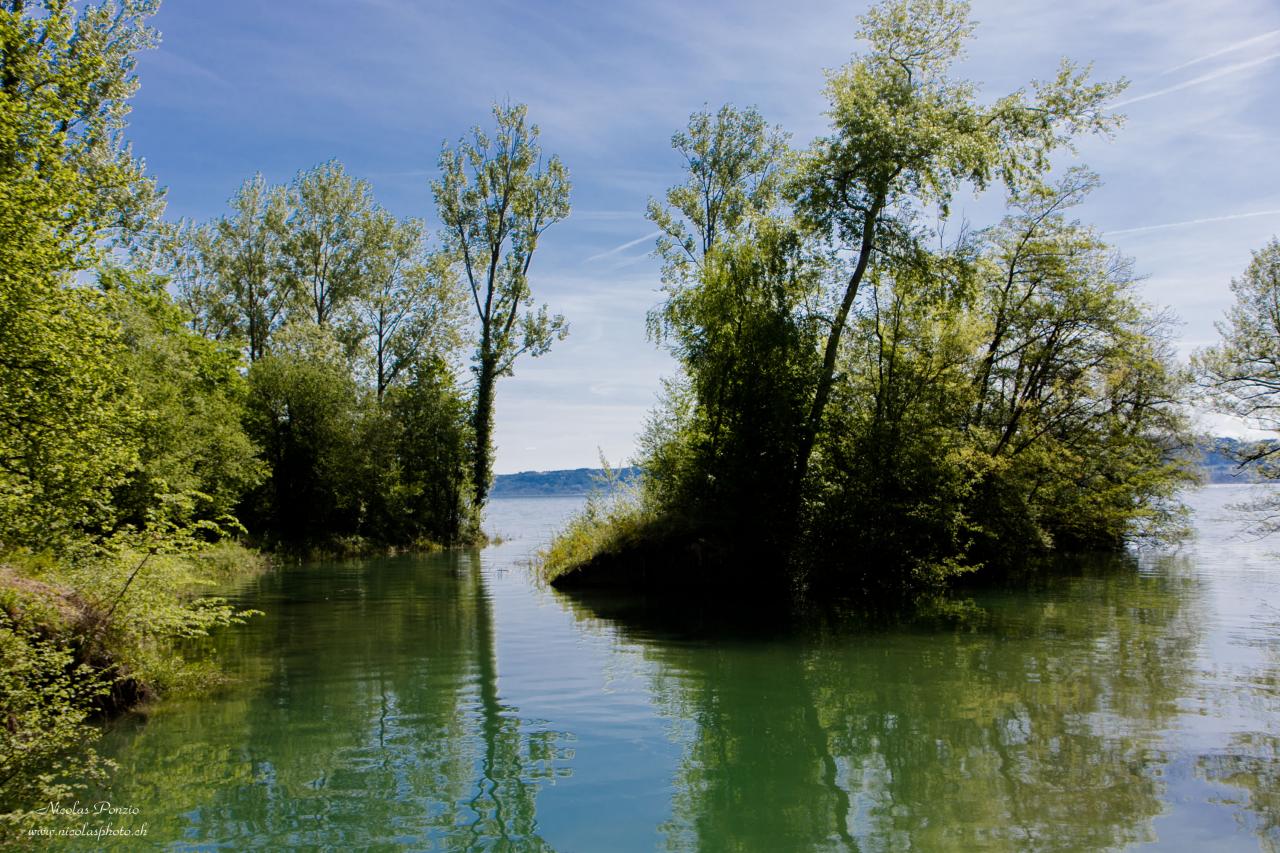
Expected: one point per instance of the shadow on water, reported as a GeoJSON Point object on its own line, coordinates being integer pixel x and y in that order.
{"type": "Point", "coordinates": [367, 717]}
{"type": "Point", "coordinates": [1023, 717]}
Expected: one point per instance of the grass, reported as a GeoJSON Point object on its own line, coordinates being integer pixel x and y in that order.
{"type": "Point", "coordinates": [611, 522]}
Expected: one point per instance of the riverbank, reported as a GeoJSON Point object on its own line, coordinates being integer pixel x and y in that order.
{"type": "Point", "coordinates": [450, 702]}
{"type": "Point", "coordinates": [90, 636]}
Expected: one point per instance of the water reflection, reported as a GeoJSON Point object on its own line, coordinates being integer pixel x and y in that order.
{"type": "Point", "coordinates": [369, 718]}
{"type": "Point", "coordinates": [391, 705]}
{"type": "Point", "coordinates": [1022, 719]}
{"type": "Point", "coordinates": [1250, 762]}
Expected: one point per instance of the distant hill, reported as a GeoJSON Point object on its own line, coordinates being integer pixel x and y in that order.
{"type": "Point", "coordinates": [1215, 459]}
{"type": "Point", "coordinates": [1220, 467]}
{"type": "Point", "coordinates": [577, 481]}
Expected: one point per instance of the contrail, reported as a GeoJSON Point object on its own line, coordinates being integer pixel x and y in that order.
{"type": "Point", "coordinates": [1240, 45]}
{"type": "Point", "coordinates": [616, 249]}
{"type": "Point", "coordinates": [1193, 222]}
{"type": "Point", "coordinates": [1204, 78]}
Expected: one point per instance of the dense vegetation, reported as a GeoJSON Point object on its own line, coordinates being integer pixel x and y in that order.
{"type": "Point", "coordinates": [1240, 376]}
{"type": "Point", "coordinates": [873, 398]}
{"type": "Point", "coordinates": [290, 375]}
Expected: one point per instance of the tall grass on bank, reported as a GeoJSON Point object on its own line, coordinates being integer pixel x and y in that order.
{"type": "Point", "coordinates": [616, 517]}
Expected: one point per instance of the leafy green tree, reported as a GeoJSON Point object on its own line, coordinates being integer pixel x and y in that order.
{"type": "Point", "coordinates": [864, 406]}
{"type": "Point", "coordinates": [736, 166]}
{"type": "Point", "coordinates": [432, 498]}
{"type": "Point", "coordinates": [495, 198]}
{"type": "Point", "coordinates": [195, 460]}
{"type": "Point", "coordinates": [303, 413]}
{"type": "Point", "coordinates": [69, 189]}
{"type": "Point", "coordinates": [1076, 379]}
{"type": "Point", "coordinates": [326, 247]}
{"type": "Point", "coordinates": [413, 307]}
{"type": "Point", "coordinates": [906, 135]}
{"type": "Point", "coordinates": [230, 272]}
{"type": "Point", "coordinates": [1241, 375]}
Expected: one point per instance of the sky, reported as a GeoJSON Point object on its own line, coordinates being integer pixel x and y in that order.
{"type": "Point", "coordinates": [1190, 184]}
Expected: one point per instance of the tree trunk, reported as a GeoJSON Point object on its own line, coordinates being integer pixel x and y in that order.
{"type": "Point", "coordinates": [826, 379]}
{"type": "Point", "coordinates": [482, 426]}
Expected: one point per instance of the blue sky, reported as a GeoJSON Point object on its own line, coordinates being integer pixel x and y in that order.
{"type": "Point", "coordinates": [1191, 184]}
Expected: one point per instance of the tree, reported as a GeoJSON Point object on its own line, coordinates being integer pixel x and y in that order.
{"type": "Point", "coordinates": [303, 411]}
{"type": "Point", "coordinates": [495, 198]}
{"type": "Point", "coordinates": [1241, 375]}
{"type": "Point", "coordinates": [69, 190]}
{"type": "Point", "coordinates": [432, 438]}
{"type": "Point", "coordinates": [326, 245]}
{"type": "Point", "coordinates": [413, 307]}
{"type": "Point", "coordinates": [231, 272]}
{"type": "Point", "coordinates": [735, 165]}
{"type": "Point", "coordinates": [194, 460]}
{"type": "Point", "coordinates": [864, 405]}
{"type": "Point", "coordinates": [905, 136]}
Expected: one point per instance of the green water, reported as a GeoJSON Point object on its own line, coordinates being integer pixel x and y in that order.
{"type": "Point", "coordinates": [448, 703]}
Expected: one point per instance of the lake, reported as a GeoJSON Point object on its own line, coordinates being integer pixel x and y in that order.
{"type": "Point", "coordinates": [450, 703]}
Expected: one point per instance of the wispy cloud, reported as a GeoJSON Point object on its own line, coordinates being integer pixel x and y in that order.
{"type": "Point", "coordinates": [619, 249]}
{"type": "Point", "coordinates": [606, 215]}
{"type": "Point", "coordinates": [171, 63]}
{"type": "Point", "coordinates": [1196, 81]}
{"type": "Point", "coordinates": [1231, 48]}
{"type": "Point", "coordinates": [1165, 225]}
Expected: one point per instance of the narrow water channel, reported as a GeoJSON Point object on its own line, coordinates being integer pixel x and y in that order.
{"type": "Point", "coordinates": [449, 703]}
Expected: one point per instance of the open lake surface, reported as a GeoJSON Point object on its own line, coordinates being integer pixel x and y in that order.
{"type": "Point", "coordinates": [449, 703]}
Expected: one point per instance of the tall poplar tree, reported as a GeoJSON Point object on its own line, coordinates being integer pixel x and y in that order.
{"type": "Point", "coordinates": [495, 197]}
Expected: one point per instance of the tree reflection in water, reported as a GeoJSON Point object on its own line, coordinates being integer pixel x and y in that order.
{"type": "Point", "coordinates": [416, 748]}
{"type": "Point", "coordinates": [1021, 719]}
{"type": "Point", "coordinates": [1088, 710]}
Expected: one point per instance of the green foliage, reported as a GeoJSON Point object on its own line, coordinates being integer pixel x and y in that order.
{"type": "Point", "coordinates": [69, 187]}
{"type": "Point", "coordinates": [431, 500]}
{"type": "Point", "coordinates": [303, 413]}
{"type": "Point", "coordinates": [495, 198]}
{"type": "Point", "coordinates": [344, 463]}
{"type": "Point", "coordinates": [46, 752]}
{"type": "Point", "coordinates": [325, 243]}
{"type": "Point", "coordinates": [351, 323]}
{"type": "Point", "coordinates": [1241, 375]}
{"type": "Point", "coordinates": [121, 452]}
{"type": "Point", "coordinates": [864, 408]}
{"type": "Point", "coordinates": [194, 456]}
{"type": "Point", "coordinates": [611, 522]}
{"type": "Point", "coordinates": [231, 272]}
{"type": "Point", "coordinates": [415, 307]}
{"type": "Point", "coordinates": [68, 412]}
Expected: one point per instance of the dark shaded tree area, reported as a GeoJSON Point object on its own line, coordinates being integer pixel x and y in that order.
{"type": "Point", "coordinates": [352, 326]}
{"type": "Point", "coordinates": [872, 397]}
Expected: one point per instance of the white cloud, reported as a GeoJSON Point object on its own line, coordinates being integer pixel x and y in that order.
{"type": "Point", "coordinates": [1198, 81]}
{"type": "Point", "coordinates": [1231, 48]}
{"type": "Point", "coordinates": [1229, 217]}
